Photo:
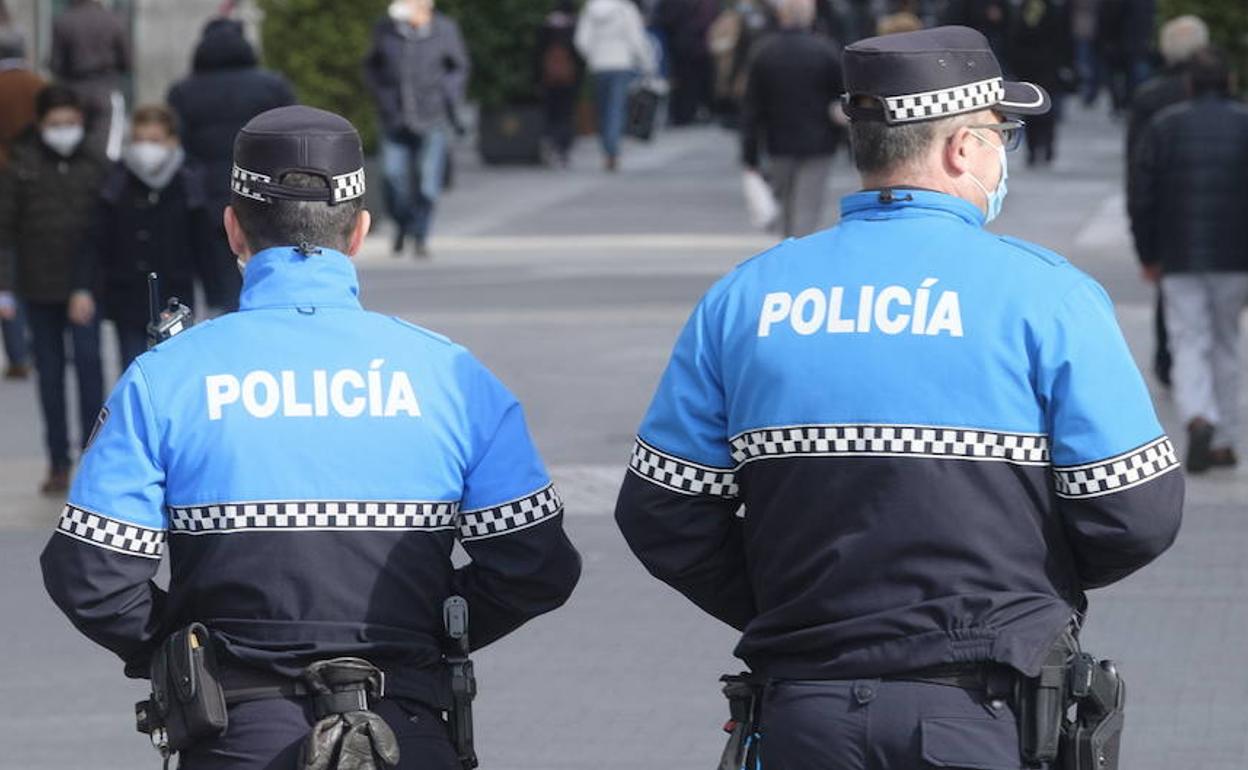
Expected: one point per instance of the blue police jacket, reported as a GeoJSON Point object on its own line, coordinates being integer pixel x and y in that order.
{"type": "Point", "coordinates": [899, 443]}
{"type": "Point", "coordinates": [309, 467]}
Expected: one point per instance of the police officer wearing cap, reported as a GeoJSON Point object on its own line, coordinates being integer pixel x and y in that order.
{"type": "Point", "coordinates": [897, 453]}
{"type": "Point", "coordinates": [308, 466]}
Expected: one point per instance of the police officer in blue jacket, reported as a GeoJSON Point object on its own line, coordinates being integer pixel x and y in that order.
{"type": "Point", "coordinates": [308, 466]}
{"type": "Point", "coordinates": [895, 454]}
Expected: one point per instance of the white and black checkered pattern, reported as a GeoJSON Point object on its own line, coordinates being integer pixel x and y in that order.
{"type": "Point", "coordinates": [948, 101]}
{"type": "Point", "coordinates": [240, 182]}
{"type": "Point", "coordinates": [680, 475]}
{"type": "Point", "coordinates": [112, 534]}
{"type": "Point", "coordinates": [511, 516]}
{"type": "Point", "coordinates": [885, 440]}
{"type": "Point", "coordinates": [348, 187]}
{"type": "Point", "coordinates": [312, 515]}
{"type": "Point", "coordinates": [1117, 473]}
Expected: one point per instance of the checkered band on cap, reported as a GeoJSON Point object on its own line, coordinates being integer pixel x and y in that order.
{"type": "Point", "coordinates": [312, 515]}
{"type": "Point", "coordinates": [890, 440]}
{"type": "Point", "coordinates": [240, 182]}
{"type": "Point", "coordinates": [512, 516]}
{"type": "Point", "coordinates": [929, 105]}
{"type": "Point", "coordinates": [114, 535]}
{"type": "Point", "coordinates": [1116, 474]}
{"type": "Point", "coordinates": [680, 475]}
{"type": "Point", "coordinates": [348, 187]}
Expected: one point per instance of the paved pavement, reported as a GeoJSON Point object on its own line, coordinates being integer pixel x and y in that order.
{"type": "Point", "coordinates": [572, 285]}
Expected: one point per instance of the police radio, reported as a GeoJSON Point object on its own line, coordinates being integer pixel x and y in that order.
{"type": "Point", "coordinates": [173, 318]}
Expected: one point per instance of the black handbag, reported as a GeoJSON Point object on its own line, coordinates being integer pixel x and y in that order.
{"type": "Point", "coordinates": [187, 703]}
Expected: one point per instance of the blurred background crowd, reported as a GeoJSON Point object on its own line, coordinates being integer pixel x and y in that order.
{"type": "Point", "coordinates": [117, 121]}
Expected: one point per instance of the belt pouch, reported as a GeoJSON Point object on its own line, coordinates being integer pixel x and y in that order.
{"type": "Point", "coordinates": [186, 689]}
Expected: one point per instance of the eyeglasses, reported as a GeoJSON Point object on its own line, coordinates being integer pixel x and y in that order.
{"type": "Point", "coordinates": [1011, 131]}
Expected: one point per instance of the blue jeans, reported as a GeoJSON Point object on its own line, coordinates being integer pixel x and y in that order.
{"type": "Point", "coordinates": [1088, 63]}
{"type": "Point", "coordinates": [611, 97]}
{"type": "Point", "coordinates": [49, 326]}
{"type": "Point", "coordinates": [16, 346]}
{"type": "Point", "coordinates": [413, 166]}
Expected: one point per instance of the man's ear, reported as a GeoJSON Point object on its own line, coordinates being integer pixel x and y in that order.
{"type": "Point", "coordinates": [234, 234]}
{"type": "Point", "coordinates": [363, 223]}
{"type": "Point", "coordinates": [956, 152]}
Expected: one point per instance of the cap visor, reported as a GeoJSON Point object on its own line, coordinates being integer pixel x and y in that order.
{"type": "Point", "coordinates": [1024, 99]}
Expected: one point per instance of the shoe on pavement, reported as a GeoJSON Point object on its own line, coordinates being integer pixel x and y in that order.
{"type": "Point", "coordinates": [17, 372]}
{"type": "Point", "coordinates": [1223, 458]}
{"type": "Point", "coordinates": [396, 249]}
{"type": "Point", "coordinates": [422, 249]}
{"type": "Point", "coordinates": [56, 484]}
{"type": "Point", "coordinates": [1199, 445]}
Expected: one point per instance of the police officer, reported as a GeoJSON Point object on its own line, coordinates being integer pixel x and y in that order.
{"type": "Point", "coordinates": [896, 453]}
{"type": "Point", "coordinates": [308, 466]}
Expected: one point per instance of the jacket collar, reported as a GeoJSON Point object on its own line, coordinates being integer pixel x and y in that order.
{"type": "Point", "coordinates": [283, 277]}
{"type": "Point", "coordinates": [898, 202]}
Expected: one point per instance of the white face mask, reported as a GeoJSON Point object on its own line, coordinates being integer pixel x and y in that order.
{"type": "Point", "coordinates": [148, 157]}
{"type": "Point", "coordinates": [63, 140]}
{"type": "Point", "coordinates": [996, 198]}
{"type": "Point", "coordinates": [400, 11]}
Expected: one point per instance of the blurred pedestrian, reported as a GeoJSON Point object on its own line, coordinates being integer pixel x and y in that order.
{"type": "Point", "coordinates": [792, 85]}
{"type": "Point", "coordinates": [226, 88]}
{"type": "Point", "coordinates": [560, 72]}
{"type": "Point", "coordinates": [896, 23]}
{"type": "Point", "coordinates": [151, 216]}
{"type": "Point", "coordinates": [417, 71]}
{"type": "Point", "coordinates": [19, 86]}
{"type": "Point", "coordinates": [611, 37]}
{"type": "Point", "coordinates": [1087, 63]}
{"type": "Point", "coordinates": [47, 196]}
{"type": "Point", "coordinates": [1181, 38]}
{"type": "Point", "coordinates": [1187, 203]}
{"type": "Point", "coordinates": [91, 54]}
{"type": "Point", "coordinates": [990, 17]}
{"type": "Point", "coordinates": [684, 25]}
{"type": "Point", "coordinates": [1042, 52]}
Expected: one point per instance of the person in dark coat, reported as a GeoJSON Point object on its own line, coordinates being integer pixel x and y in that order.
{"type": "Point", "coordinates": [152, 216]}
{"type": "Point", "coordinates": [91, 54]}
{"type": "Point", "coordinates": [417, 71]}
{"type": "Point", "coordinates": [1181, 38]}
{"type": "Point", "coordinates": [1042, 52]}
{"type": "Point", "coordinates": [792, 83]}
{"type": "Point", "coordinates": [561, 71]}
{"type": "Point", "coordinates": [19, 86]}
{"type": "Point", "coordinates": [1187, 203]}
{"type": "Point", "coordinates": [990, 17]}
{"type": "Point", "coordinates": [685, 24]}
{"type": "Point", "coordinates": [226, 88]}
{"type": "Point", "coordinates": [46, 198]}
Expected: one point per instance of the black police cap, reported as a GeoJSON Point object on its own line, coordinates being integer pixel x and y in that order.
{"type": "Point", "coordinates": [301, 140]}
{"type": "Point", "coordinates": [911, 77]}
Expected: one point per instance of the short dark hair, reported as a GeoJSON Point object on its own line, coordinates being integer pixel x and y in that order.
{"type": "Point", "coordinates": [155, 115]}
{"type": "Point", "coordinates": [54, 97]}
{"type": "Point", "coordinates": [293, 223]}
{"type": "Point", "coordinates": [1209, 73]}
{"type": "Point", "coordinates": [879, 147]}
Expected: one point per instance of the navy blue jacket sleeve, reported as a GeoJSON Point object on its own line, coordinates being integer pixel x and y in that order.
{"type": "Point", "coordinates": [99, 564]}
{"type": "Point", "coordinates": [1116, 475]}
{"type": "Point", "coordinates": [677, 507]}
{"type": "Point", "coordinates": [510, 523]}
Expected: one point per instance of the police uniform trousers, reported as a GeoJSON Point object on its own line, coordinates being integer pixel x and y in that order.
{"type": "Point", "coordinates": [268, 734]}
{"type": "Point", "coordinates": [870, 724]}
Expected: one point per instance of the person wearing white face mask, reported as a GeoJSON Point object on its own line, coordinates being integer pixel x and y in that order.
{"type": "Point", "coordinates": [47, 195]}
{"type": "Point", "coordinates": [151, 216]}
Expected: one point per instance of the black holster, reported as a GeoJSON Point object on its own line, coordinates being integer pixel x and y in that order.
{"type": "Point", "coordinates": [463, 681]}
{"type": "Point", "coordinates": [187, 703]}
{"type": "Point", "coordinates": [1047, 731]}
{"type": "Point", "coordinates": [744, 692]}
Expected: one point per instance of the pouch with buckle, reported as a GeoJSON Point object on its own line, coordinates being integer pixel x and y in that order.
{"type": "Point", "coordinates": [188, 703]}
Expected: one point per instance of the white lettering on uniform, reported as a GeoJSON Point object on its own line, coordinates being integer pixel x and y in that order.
{"type": "Point", "coordinates": [344, 393]}
{"type": "Point", "coordinates": [889, 310]}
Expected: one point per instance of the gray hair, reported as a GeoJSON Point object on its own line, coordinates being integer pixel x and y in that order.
{"type": "Point", "coordinates": [880, 148]}
{"type": "Point", "coordinates": [795, 14]}
{"type": "Point", "coordinates": [1182, 37]}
